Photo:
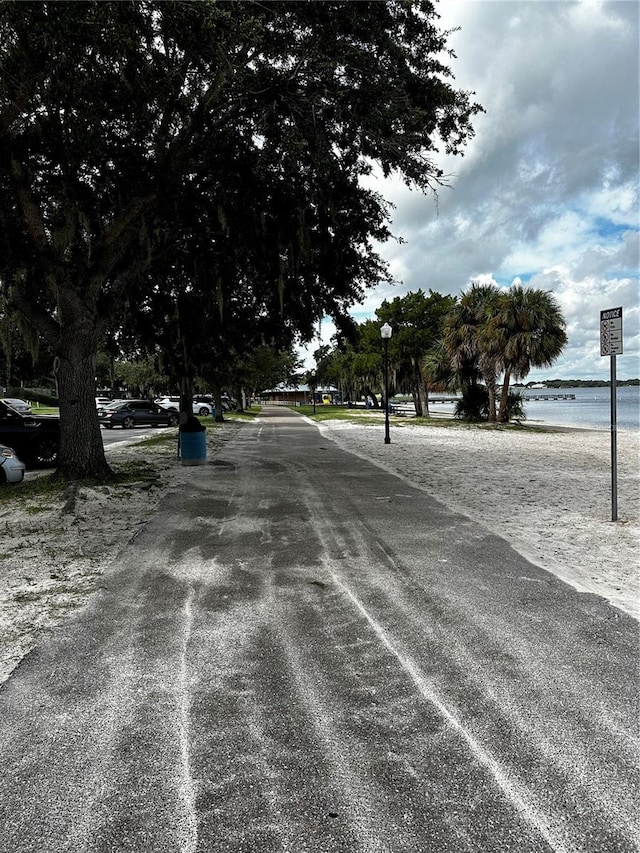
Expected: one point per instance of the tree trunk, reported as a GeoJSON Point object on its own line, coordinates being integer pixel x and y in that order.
{"type": "Point", "coordinates": [504, 398]}
{"type": "Point", "coordinates": [421, 401]}
{"type": "Point", "coordinates": [217, 399]}
{"type": "Point", "coordinates": [186, 399]}
{"type": "Point", "coordinates": [81, 449]}
{"type": "Point", "coordinates": [491, 388]}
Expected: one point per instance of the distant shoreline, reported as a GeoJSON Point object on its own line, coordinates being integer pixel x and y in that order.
{"type": "Point", "coordinates": [574, 383]}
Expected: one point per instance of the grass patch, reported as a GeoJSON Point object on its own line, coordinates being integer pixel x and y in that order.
{"type": "Point", "coordinates": [139, 472]}
{"type": "Point", "coordinates": [159, 440]}
{"type": "Point", "coordinates": [373, 417]}
{"type": "Point", "coordinates": [248, 414]}
{"type": "Point", "coordinates": [44, 488]}
{"type": "Point", "coordinates": [376, 418]}
{"type": "Point", "coordinates": [40, 494]}
{"type": "Point", "coordinates": [44, 410]}
{"type": "Point", "coordinates": [338, 413]}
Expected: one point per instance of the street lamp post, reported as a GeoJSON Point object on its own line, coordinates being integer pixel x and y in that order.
{"type": "Point", "coordinates": [385, 333]}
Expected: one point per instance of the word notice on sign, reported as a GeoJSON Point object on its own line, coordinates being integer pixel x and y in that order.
{"type": "Point", "coordinates": [611, 332]}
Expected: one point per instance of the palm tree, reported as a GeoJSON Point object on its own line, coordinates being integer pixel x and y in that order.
{"type": "Point", "coordinates": [471, 342]}
{"type": "Point", "coordinates": [530, 331]}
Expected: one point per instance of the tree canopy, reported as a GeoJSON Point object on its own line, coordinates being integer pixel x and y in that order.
{"type": "Point", "coordinates": [491, 333]}
{"type": "Point", "coordinates": [150, 150]}
{"type": "Point", "coordinates": [356, 365]}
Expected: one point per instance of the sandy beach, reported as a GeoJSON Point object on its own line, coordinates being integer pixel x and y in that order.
{"type": "Point", "coordinates": [547, 493]}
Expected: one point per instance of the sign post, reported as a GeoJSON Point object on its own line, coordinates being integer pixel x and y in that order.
{"type": "Point", "coordinates": [611, 345]}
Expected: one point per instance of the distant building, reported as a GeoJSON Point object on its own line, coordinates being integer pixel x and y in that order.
{"type": "Point", "coordinates": [290, 395]}
{"type": "Point", "coordinates": [300, 395]}
{"type": "Point", "coordinates": [328, 396]}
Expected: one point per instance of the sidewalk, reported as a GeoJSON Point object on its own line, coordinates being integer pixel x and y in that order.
{"type": "Point", "coordinates": [302, 652]}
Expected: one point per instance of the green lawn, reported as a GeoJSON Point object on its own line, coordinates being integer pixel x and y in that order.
{"type": "Point", "coordinates": [373, 416]}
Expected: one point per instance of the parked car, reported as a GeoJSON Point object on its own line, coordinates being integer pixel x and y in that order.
{"type": "Point", "coordinates": [201, 406]}
{"type": "Point", "coordinates": [102, 401]}
{"type": "Point", "coordinates": [228, 403]}
{"type": "Point", "coordinates": [202, 402]}
{"type": "Point", "coordinates": [131, 413]}
{"type": "Point", "coordinates": [19, 405]}
{"type": "Point", "coordinates": [170, 403]}
{"type": "Point", "coordinates": [11, 468]}
{"type": "Point", "coordinates": [35, 440]}
{"type": "Point", "coordinates": [110, 404]}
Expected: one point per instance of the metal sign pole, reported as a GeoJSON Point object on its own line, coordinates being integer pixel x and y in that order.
{"type": "Point", "coordinates": [611, 344]}
{"type": "Point", "coordinates": [614, 442]}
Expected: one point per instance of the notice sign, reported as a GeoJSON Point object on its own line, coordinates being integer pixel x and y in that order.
{"type": "Point", "coordinates": [611, 332]}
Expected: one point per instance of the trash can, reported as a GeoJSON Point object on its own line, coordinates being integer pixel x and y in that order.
{"type": "Point", "coordinates": [193, 443]}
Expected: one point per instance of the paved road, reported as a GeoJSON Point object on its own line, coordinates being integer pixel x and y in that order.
{"type": "Point", "coordinates": [113, 437]}
{"type": "Point", "coordinates": [304, 653]}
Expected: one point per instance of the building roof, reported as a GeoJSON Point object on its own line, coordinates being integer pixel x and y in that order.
{"type": "Point", "coordinates": [283, 388]}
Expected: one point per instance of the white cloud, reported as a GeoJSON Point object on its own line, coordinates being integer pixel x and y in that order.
{"type": "Point", "coordinates": [548, 189]}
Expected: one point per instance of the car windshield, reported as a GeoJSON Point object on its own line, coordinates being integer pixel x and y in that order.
{"type": "Point", "coordinates": [8, 411]}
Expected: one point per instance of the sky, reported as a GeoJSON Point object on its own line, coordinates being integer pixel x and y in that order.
{"type": "Point", "coordinates": [547, 193]}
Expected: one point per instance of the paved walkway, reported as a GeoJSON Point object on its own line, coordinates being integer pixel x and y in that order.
{"type": "Point", "coordinates": [303, 653]}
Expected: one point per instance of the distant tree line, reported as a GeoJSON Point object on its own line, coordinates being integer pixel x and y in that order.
{"type": "Point", "coordinates": [588, 383]}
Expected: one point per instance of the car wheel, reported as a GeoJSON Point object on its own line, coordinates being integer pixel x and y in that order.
{"type": "Point", "coordinates": [203, 411]}
{"type": "Point", "coordinates": [128, 423]}
{"type": "Point", "coordinates": [173, 420]}
{"type": "Point", "coordinates": [46, 451]}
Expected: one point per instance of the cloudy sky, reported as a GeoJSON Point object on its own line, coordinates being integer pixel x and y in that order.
{"type": "Point", "coordinates": [547, 192]}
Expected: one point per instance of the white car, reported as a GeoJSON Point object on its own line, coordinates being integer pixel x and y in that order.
{"type": "Point", "coordinates": [173, 405]}
{"type": "Point", "coordinates": [11, 468]}
{"type": "Point", "coordinates": [18, 405]}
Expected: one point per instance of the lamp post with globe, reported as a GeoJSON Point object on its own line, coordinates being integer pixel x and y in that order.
{"type": "Point", "coordinates": [385, 333]}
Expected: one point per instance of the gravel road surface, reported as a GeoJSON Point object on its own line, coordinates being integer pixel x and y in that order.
{"type": "Point", "coordinates": [302, 652]}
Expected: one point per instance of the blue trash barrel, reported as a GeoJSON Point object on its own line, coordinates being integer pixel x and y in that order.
{"type": "Point", "coordinates": [193, 448]}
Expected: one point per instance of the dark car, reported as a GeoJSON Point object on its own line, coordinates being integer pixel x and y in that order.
{"type": "Point", "coordinates": [130, 413]}
{"type": "Point", "coordinates": [36, 440]}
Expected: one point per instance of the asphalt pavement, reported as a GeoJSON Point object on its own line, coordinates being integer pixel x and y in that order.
{"type": "Point", "coordinates": [302, 652]}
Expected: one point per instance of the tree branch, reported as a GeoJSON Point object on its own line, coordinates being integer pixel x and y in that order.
{"type": "Point", "coordinates": [29, 207]}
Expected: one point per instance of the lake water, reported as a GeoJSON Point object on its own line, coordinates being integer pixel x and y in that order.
{"type": "Point", "coordinates": [591, 408]}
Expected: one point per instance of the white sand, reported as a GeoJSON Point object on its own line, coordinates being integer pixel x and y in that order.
{"type": "Point", "coordinates": [547, 493]}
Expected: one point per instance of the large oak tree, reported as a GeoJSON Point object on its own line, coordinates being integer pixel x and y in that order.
{"type": "Point", "coordinates": [112, 113]}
